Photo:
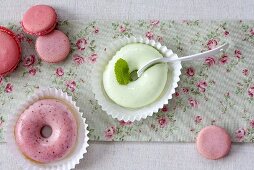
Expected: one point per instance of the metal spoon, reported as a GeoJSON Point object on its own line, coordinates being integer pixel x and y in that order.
{"type": "Point", "coordinates": [137, 73]}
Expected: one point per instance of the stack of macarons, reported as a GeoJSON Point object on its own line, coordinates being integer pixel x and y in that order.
{"type": "Point", "coordinates": [51, 45]}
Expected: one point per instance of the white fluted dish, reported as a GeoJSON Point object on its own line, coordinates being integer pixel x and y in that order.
{"type": "Point", "coordinates": [128, 114]}
{"type": "Point", "coordinates": [67, 162]}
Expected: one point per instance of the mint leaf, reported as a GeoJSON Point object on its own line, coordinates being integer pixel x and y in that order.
{"type": "Point", "coordinates": [122, 72]}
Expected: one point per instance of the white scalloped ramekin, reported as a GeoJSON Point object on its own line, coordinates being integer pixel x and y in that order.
{"type": "Point", "coordinates": [67, 162]}
{"type": "Point", "coordinates": [127, 114]}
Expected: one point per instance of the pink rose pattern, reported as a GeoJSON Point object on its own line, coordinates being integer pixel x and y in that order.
{"type": "Point", "coordinates": [240, 134]}
{"type": "Point", "coordinates": [110, 132]}
{"type": "Point", "coordinates": [198, 119]}
{"type": "Point", "coordinates": [163, 121]}
{"type": "Point", "coordinates": [29, 60]}
{"type": "Point", "coordinates": [92, 58]}
{"type": "Point", "coordinates": [245, 72]}
{"type": "Point", "coordinates": [122, 28]}
{"type": "Point", "coordinates": [71, 85]}
{"type": "Point", "coordinates": [155, 22]}
{"type": "Point", "coordinates": [8, 88]}
{"type": "Point", "coordinates": [81, 43]}
{"type": "Point", "coordinates": [212, 43]}
{"type": "Point", "coordinates": [251, 91]}
{"type": "Point", "coordinates": [252, 123]}
{"type": "Point", "coordinates": [223, 59]}
{"type": "Point", "coordinates": [96, 29]}
{"type": "Point", "coordinates": [185, 90]}
{"type": "Point", "coordinates": [22, 38]}
{"type": "Point", "coordinates": [123, 123]}
{"type": "Point", "coordinates": [201, 86]}
{"type": "Point", "coordinates": [165, 108]}
{"type": "Point", "coordinates": [226, 33]}
{"type": "Point", "coordinates": [177, 94]}
{"type": "Point", "coordinates": [78, 59]}
{"type": "Point", "coordinates": [30, 63]}
{"type": "Point", "coordinates": [192, 100]}
{"type": "Point", "coordinates": [238, 54]}
{"type": "Point", "coordinates": [149, 35]}
{"type": "Point", "coordinates": [210, 61]}
{"type": "Point", "coordinates": [252, 31]}
{"type": "Point", "coordinates": [59, 71]}
{"type": "Point", "coordinates": [190, 71]}
{"type": "Point", "coordinates": [32, 71]}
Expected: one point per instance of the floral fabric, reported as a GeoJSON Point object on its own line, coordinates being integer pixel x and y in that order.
{"type": "Point", "coordinates": [218, 90]}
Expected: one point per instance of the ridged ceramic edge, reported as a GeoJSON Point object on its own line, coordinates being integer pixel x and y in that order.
{"type": "Point", "coordinates": [122, 113]}
{"type": "Point", "coordinates": [71, 160]}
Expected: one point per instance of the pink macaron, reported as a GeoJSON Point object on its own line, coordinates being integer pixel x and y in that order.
{"type": "Point", "coordinates": [39, 20]}
{"type": "Point", "coordinates": [213, 142]}
{"type": "Point", "coordinates": [10, 51]}
{"type": "Point", "coordinates": [53, 47]}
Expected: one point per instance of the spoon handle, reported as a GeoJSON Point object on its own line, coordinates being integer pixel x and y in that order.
{"type": "Point", "coordinates": [199, 55]}
{"type": "Point", "coordinates": [187, 58]}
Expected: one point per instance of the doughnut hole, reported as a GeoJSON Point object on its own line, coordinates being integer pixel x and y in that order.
{"type": "Point", "coordinates": [46, 131]}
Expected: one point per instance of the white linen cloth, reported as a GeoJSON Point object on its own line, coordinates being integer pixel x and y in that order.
{"type": "Point", "coordinates": [134, 155]}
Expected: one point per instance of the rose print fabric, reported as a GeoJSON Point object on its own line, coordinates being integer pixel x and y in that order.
{"type": "Point", "coordinates": [218, 90]}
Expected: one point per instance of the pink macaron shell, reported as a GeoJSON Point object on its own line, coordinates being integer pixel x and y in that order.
{"type": "Point", "coordinates": [53, 47]}
{"type": "Point", "coordinates": [213, 142]}
{"type": "Point", "coordinates": [9, 51]}
{"type": "Point", "coordinates": [39, 20]}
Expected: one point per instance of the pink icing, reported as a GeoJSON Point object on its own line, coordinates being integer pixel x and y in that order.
{"type": "Point", "coordinates": [53, 113]}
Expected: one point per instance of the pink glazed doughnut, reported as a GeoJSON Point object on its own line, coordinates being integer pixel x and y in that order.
{"type": "Point", "coordinates": [52, 113]}
{"type": "Point", "coordinates": [213, 142]}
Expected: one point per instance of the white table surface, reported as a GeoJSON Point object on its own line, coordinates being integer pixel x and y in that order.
{"type": "Point", "coordinates": [142, 155]}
